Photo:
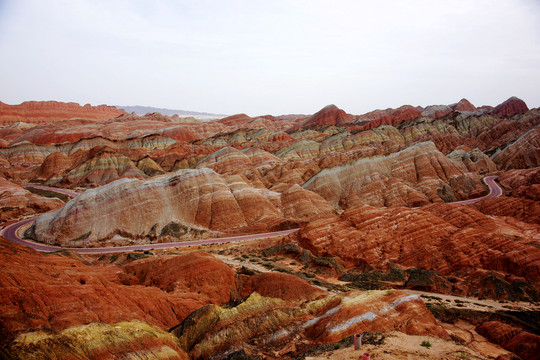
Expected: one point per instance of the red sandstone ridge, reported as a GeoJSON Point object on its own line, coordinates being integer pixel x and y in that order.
{"type": "Point", "coordinates": [235, 120]}
{"type": "Point", "coordinates": [51, 111]}
{"type": "Point", "coordinates": [463, 105]}
{"type": "Point", "coordinates": [510, 107]}
{"type": "Point", "coordinates": [523, 153]}
{"type": "Point", "coordinates": [52, 292]}
{"type": "Point", "coordinates": [522, 343]}
{"type": "Point", "coordinates": [16, 201]}
{"type": "Point", "coordinates": [278, 329]}
{"type": "Point", "coordinates": [415, 176]}
{"type": "Point", "coordinates": [392, 117]}
{"type": "Point", "coordinates": [449, 239]}
{"type": "Point", "coordinates": [329, 115]}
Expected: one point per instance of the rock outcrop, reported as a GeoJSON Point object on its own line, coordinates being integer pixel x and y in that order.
{"type": "Point", "coordinates": [522, 183]}
{"type": "Point", "coordinates": [186, 204]}
{"type": "Point", "coordinates": [267, 326]}
{"type": "Point", "coordinates": [126, 340]}
{"type": "Point", "coordinates": [522, 154]}
{"type": "Point", "coordinates": [181, 203]}
{"type": "Point", "coordinates": [457, 238]}
{"type": "Point", "coordinates": [464, 105]}
{"type": "Point", "coordinates": [522, 343]}
{"type": "Point", "coordinates": [416, 176]}
{"type": "Point", "coordinates": [15, 202]}
{"type": "Point", "coordinates": [392, 117]}
{"type": "Point", "coordinates": [53, 292]}
{"type": "Point", "coordinates": [510, 107]}
{"type": "Point", "coordinates": [329, 115]}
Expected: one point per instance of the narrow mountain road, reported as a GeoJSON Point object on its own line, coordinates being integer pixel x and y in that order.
{"type": "Point", "coordinates": [11, 232]}
{"type": "Point", "coordinates": [494, 191]}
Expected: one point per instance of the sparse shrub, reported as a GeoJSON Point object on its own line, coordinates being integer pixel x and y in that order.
{"type": "Point", "coordinates": [463, 356]}
{"type": "Point", "coordinates": [426, 344]}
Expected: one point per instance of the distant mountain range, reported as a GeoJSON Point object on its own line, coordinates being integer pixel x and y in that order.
{"type": "Point", "coordinates": [142, 110]}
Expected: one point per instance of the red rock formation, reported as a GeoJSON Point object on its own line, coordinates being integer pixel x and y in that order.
{"type": "Point", "coordinates": [51, 111]}
{"type": "Point", "coordinates": [52, 292]}
{"type": "Point", "coordinates": [455, 237]}
{"type": "Point", "coordinates": [522, 343]}
{"type": "Point", "coordinates": [103, 166]}
{"type": "Point", "coordinates": [463, 105]}
{"type": "Point", "coordinates": [392, 117]}
{"type": "Point", "coordinates": [517, 208]}
{"type": "Point", "coordinates": [201, 273]}
{"type": "Point", "coordinates": [303, 205]}
{"type": "Point", "coordinates": [16, 201]}
{"type": "Point", "coordinates": [415, 176]}
{"type": "Point", "coordinates": [287, 328]}
{"type": "Point", "coordinates": [278, 285]}
{"type": "Point", "coordinates": [523, 153]}
{"type": "Point", "coordinates": [228, 160]}
{"type": "Point", "coordinates": [329, 115]}
{"type": "Point", "coordinates": [522, 183]}
{"type": "Point", "coordinates": [235, 120]}
{"type": "Point", "coordinates": [436, 111]}
{"type": "Point", "coordinates": [510, 107]}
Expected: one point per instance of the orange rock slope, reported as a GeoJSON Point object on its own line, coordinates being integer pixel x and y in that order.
{"type": "Point", "coordinates": [453, 240]}
{"type": "Point", "coordinates": [16, 201]}
{"type": "Point", "coordinates": [51, 111]}
{"type": "Point", "coordinates": [58, 298]}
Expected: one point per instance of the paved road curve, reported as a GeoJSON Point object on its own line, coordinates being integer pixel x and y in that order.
{"type": "Point", "coordinates": [11, 232]}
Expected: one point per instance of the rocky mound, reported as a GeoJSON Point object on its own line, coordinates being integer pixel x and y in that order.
{"type": "Point", "coordinates": [16, 202]}
{"type": "Point", "coordinates": [100, 166]}
{"type": "Point", "coordinates": [458, 240]}
{"type": "Point", "coordinates": [522, 183]}
{"type": "Point", "coordinates": [522, 154]}
{"type": "Point", "coordinates": [270, 327]}
{"type": "Point", "coordinates": [418, 175]}
{"type": "Point", "coordinates": [126, 340]}
{"type": "Point", "coordinates": [51, 111]}
{"type": "Point", "coordinates": [464, 105]}
{"type": "Point", "coordinates": [327, 116]}
{"type": "Point", "coordinates": [392, 117]}
{"type": "Point", "coordinates": [522, 343]}
{"type": "Point", "coordinates": [510, 107]}
{"type": "Point", "coordinates": [159, 206]}
{"type": "Point", "coordinates": [52, 292]}
{"type": "Point", "coordinates": [188, 203]}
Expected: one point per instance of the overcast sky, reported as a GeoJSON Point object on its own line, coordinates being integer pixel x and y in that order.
{"type": "Point", "coordinates": [270, 57]}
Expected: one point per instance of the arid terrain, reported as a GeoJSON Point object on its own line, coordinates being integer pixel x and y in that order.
{"type": "Point", "coordinates": [126, 236]}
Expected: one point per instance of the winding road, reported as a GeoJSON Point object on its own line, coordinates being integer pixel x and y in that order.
{"type": "Point", "coordinates": [11, 232]}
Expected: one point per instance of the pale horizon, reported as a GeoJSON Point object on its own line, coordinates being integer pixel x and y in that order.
{"type": "Point", "coordinates": [283, 57]}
